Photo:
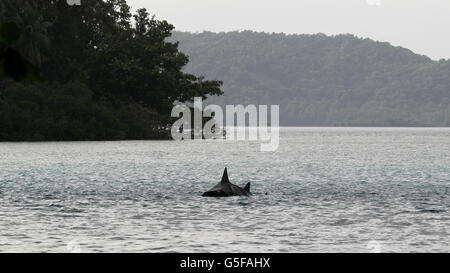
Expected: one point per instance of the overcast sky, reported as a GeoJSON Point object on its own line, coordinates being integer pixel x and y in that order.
{"type": "Point", "coordinates": [420, 25]}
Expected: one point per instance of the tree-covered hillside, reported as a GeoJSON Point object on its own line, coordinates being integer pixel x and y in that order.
{"type": "Point", "coordinates": [320, 80]}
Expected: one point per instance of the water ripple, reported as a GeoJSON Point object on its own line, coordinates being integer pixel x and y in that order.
{"type": "Point", "coordinates": [328, 190]}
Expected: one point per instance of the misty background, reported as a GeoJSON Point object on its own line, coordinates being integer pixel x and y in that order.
{"type": "Point", "coordinates": [419, 25]}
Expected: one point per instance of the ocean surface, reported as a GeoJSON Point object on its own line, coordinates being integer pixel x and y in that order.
{"type": "Point", "coordinates": [329, 190]}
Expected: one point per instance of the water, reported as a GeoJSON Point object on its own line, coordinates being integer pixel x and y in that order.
{"type": "Point", "coordinates": [330, 189]}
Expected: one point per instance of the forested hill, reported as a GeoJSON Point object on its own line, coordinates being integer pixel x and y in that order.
{"type": "Point", "coordinates": [320, 80]}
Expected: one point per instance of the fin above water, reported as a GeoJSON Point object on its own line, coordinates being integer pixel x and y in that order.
{"type": "Point", "coordinates": [247, 187]}
{"type": "Point", "coordinates": [225, 188]}
{"type": "Point", "coordinates": [225, 177]}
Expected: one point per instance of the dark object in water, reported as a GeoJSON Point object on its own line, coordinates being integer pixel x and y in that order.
{"type": "Point", "coordinates": [225, 188]}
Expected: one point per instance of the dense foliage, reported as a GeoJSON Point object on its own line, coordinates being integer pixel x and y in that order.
{"type": "Point", "coordinates": [323, 81]}
{"type": "Point", "coordinates": [108, 74]}
{"type": "Point", "coordinates": [12, 64]}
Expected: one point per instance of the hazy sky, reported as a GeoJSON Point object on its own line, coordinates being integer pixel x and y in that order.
{"type": "Point", "coordinates": [420, 25]}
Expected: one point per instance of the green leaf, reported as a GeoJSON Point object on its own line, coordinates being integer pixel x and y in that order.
{"type": "Point", "coordinates": [9, 32]}
{"type": "Point", "coordinates": [33, 74]}
{"type": "Point", "coordinates": [2, 69]}
{"type": "Point", "coordinates": [14, 66]}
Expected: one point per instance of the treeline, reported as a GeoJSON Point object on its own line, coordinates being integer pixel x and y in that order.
{"type": "Point", "coordinates": [320, 80]}
{"type": "Point", "coordinates": [107, 74]}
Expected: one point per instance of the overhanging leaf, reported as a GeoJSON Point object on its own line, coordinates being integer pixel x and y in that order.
{"type": "Point", "coordinates": [9, 32]}
{"type": "Point", "coordinates": [14, 66]}
{"type": "Point", "coordinates": [2, 69]}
